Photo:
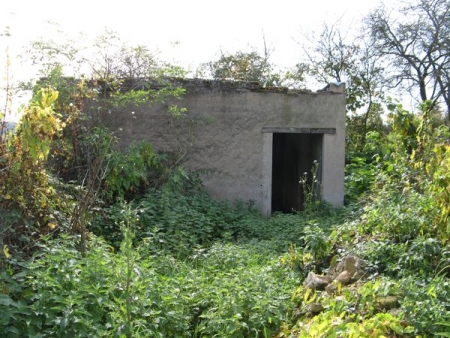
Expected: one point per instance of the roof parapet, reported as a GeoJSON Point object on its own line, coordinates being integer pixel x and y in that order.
{"type": "Point", "coordinates": [334, 87]}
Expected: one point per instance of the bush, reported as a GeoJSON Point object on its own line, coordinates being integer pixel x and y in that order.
{"type": "Point", "coordinates": [177, 218]}
{"type": "Point", "coordinates": [359, 177]}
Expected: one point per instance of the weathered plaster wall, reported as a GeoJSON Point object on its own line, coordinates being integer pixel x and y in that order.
{"type": "Point", "coordinates": [227, 135]}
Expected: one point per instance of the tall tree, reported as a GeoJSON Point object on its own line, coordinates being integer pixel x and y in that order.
{"type": "Point", "coordinates": [414, 44]}
{"type": "Point", "coordinates": [112, 58]}
{"type": "Point", "coordinates": [334, 56]}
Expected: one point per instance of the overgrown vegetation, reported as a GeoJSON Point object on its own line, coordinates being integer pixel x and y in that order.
{"type": "Point", "coordinates": [172, 262]}
{"type": "Point", "coordinates": [102, 242]}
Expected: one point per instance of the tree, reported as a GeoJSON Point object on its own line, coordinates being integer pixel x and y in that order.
{"type": "Point", "coordinates": [414, 44]}
{"type": "Point", "coordinates": [242, 66]}
{"type": "Point", "coordinates": [5, 89]}
{"type": "Point", "coordinates": [113, 59]}
{"type": "Point", "coordinates": [331, 58]}
{"type": "Point", "coordinates": [296, 76]}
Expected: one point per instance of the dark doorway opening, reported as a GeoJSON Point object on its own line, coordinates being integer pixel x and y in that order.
{"type": "Point", "coordinates": [293, 154]}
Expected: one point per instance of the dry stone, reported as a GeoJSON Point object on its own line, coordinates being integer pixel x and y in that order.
{"type": "Point", "coordinates": [316, 282]}
{"type": "Point", "coordinates": [314, 308]}
{"type": "Point", "coordinates": [353, 265]}
{"type": "Point", "coordinates": [344, 278]}
{"type": "Point", "coordinates": [331, 289]}
{"type": "Point", "coordinates": [340, 298]}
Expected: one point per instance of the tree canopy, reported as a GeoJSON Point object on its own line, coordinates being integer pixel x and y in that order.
{"type": "Point", "coordinates": [414, 46]}
{"type": "Point", "coordinates": [241, 66]}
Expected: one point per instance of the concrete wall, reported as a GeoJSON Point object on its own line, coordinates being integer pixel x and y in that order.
{"type": "Point", "coordinates": [231, 133]}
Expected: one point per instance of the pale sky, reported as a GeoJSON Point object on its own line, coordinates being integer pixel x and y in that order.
{"type": "Point", "coordinates": [187, 32]}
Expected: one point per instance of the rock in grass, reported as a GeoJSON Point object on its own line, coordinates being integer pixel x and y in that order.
{"type": "Point", "coordinates": [316, 282]}
{"type": "Point", "coordinates": [387, 302]}
{"type": "Point", "coordinates": [314, 308]}
{"type": "Point", "coordinates": [353, 265]}
{"type": "Point", "coordinates": [331, 288]}
{"type": "Point", "coordinates": [344, 278]}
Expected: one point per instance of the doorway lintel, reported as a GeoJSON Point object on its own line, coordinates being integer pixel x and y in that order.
{"type": "Point", "coordinates": [293, 130]}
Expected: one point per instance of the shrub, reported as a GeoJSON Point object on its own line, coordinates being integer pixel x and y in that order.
{"type": "Point", "coordinates": [177, 218]}
{"type": "Point", "coordinates": [129, 173]}
{"type": "Point", "coordinates": [359, 177]}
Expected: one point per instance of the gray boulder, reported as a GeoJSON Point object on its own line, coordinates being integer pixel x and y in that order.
{"type": "Point", "coordinates": [316, 282]}
{"type": "Point", "coordinates": [355, 267]}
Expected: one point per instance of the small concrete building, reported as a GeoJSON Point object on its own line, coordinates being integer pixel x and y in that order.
{"type": "Point", "coordinates": [252, 143]}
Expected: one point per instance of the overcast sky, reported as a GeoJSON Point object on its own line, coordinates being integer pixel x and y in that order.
{"type": "Point", "coordinates": [187, 32]}
{"type": "Point", "coordinates": [200, 27]}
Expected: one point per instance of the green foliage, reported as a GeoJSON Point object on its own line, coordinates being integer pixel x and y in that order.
{"type": "Point", "coordinates": [175, 222]}
{"type": "Point", "coordinates": [296, 76]}
{"type": "Point", "coordinates": [122, 77]}
{"type": "Point", "coordinates": [438, 169]}
{"type": "Point", "coordinates": [242, 66]}
{"type": "Point", "coordinates": [81, 153]}
{"type": "Point", "coordinates": [401, 228]}
{"type": "Point", "coordinates": [129, 172]}
{"type": "Point", "coordinates": [248, 295]}
{"type": "Point", "coordinates": [102, 294]}
{"type": "Point", "coordinates": [363, 164]}
{"type": "Point", "coordinates": [379, 325]}
{"type": "Point", "coordinates": [131, 282]}
{"type": "Point", "coordinates": [281, 230]}
{"type": "Point", "coordinates": [12, 305]}
{"type": "Point", "coordinates": [316, 242]}
{"type": "Point", "coordinates": [421, 156]}
{"type": "Point", "coordinates": [364, 132]}
{"type": "Point", "coordinates": [67, 291]}
{"type": "Point", "coordinates": [176, 263]}
{"type": "Point", "coordinates": [25, 189]}
{"type": "Point", "coordinates": [225, 290]}
{"type": "Point", "coordinates": [359, 178]}
{"type": "Point", "coordinates": [182, 216]}
{"type": "Point", "coordinates": [426, 304]}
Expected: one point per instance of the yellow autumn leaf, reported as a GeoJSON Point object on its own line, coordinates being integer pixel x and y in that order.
{"type": "Point", "coordinates": [6, 251]}
{"type": "Point", "coordinates": [54, 95]}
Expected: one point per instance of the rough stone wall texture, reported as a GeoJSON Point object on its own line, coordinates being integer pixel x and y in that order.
{"type": "Point", "coordinates": [225, 135]}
